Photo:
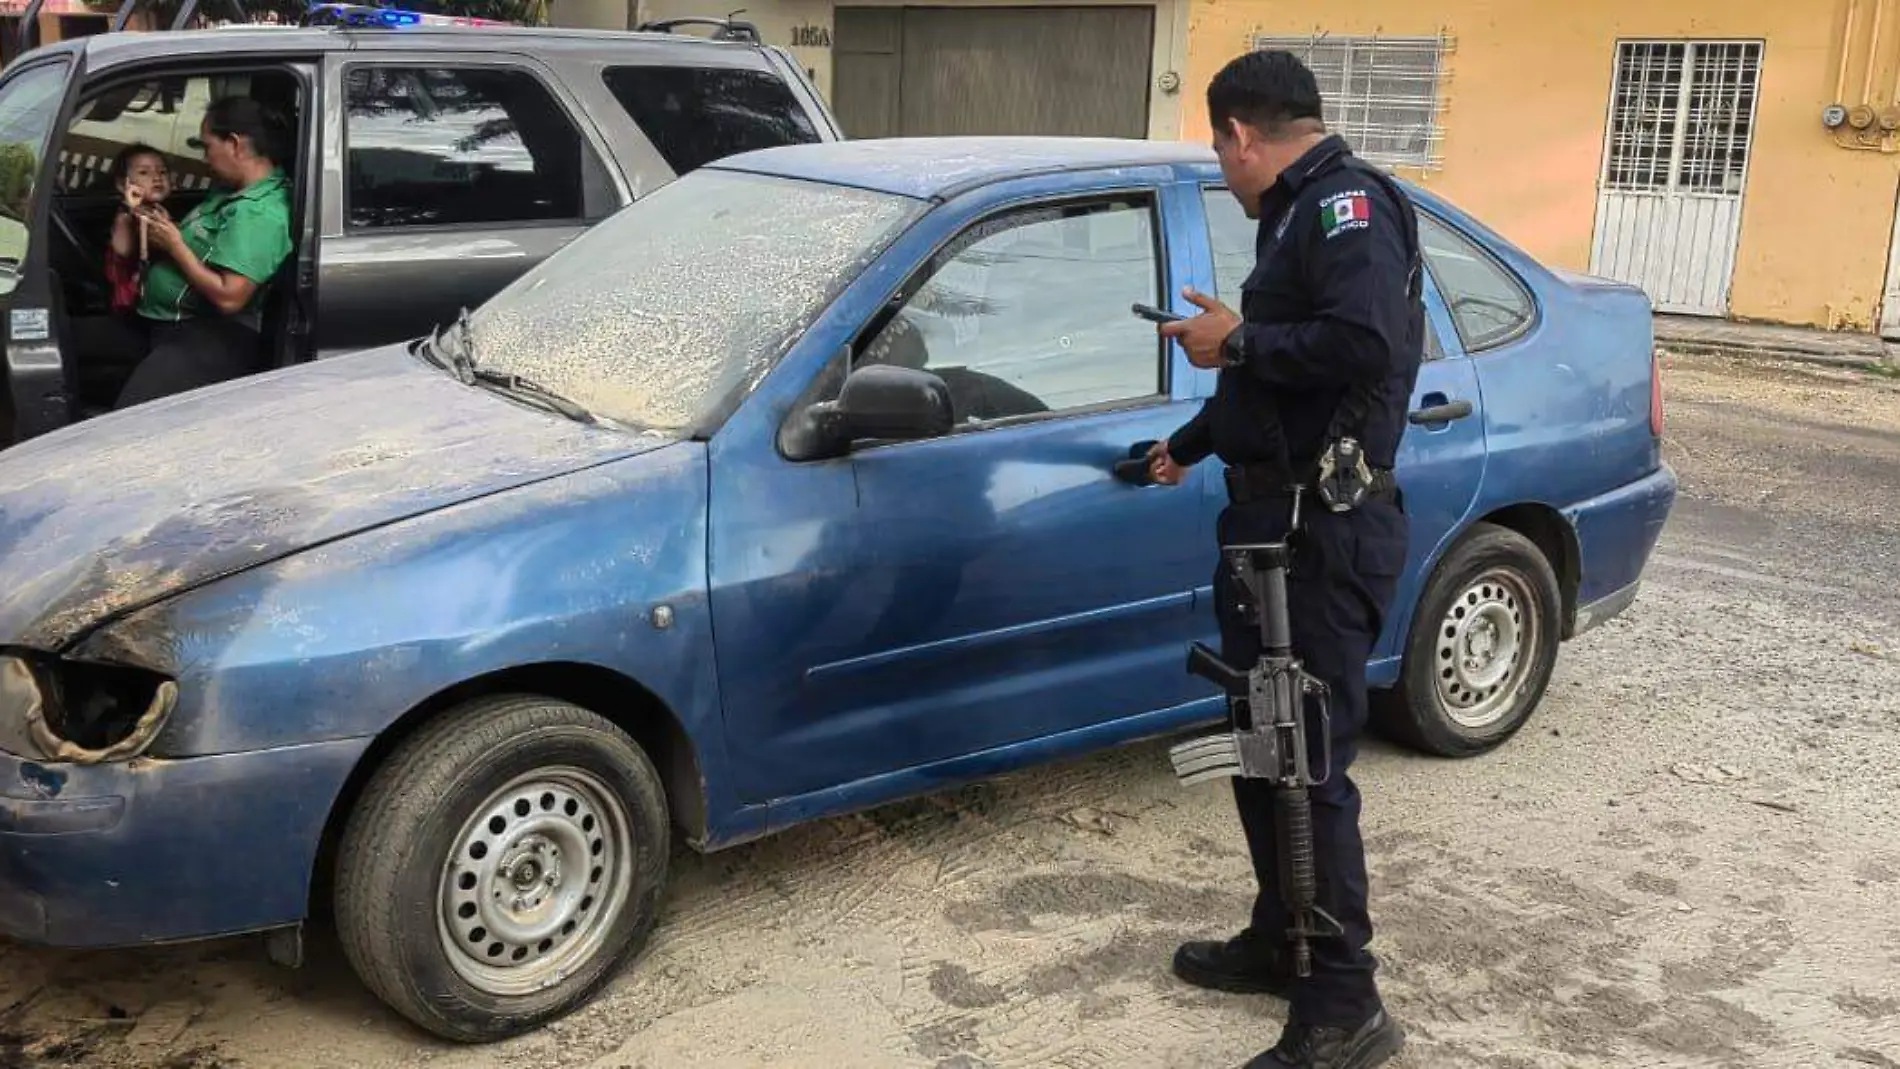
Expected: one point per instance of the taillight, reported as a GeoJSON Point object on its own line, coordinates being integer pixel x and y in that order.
{"type": "Point", "coordinates": [1655, 395]}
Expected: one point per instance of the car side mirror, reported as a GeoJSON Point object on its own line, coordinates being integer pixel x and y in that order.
{"type": "Point", "coordinates": [890, 402]}
{"type": "Point", "coordinates": [877, 401]}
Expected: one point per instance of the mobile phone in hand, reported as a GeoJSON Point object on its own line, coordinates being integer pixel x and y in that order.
{"type": "Point", "coordinates": [1156, 315]}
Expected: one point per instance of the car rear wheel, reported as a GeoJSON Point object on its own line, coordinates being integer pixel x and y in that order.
{"type": "Point", "coordinates": [1481, 649]}
{"type": "Point", "coordinates": [501, 866]}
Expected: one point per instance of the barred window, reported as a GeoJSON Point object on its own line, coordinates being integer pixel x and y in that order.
{"type": "Point", "coordinates": [1380, 93]}
{"type": "Point", "coordinates": [1681, 116]}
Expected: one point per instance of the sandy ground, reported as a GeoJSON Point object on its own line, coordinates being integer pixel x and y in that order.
{"type": "Point", "coordinates": [1691, 858]}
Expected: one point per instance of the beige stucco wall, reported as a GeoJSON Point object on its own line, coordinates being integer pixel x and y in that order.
{"type": "Point", "coordinates": [804, 27]}
{"type": "Point", "coordinates": [1528, 97]}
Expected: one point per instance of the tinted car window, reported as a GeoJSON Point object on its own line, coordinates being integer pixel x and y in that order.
{"type": "Point", "coordinates": [1028, 313]}
{"type": "Point", "coordinates": [436, 146]}
{"type": "Point", "coordinates": [1488, 305]}
{"type": "Point", "coordinates": [695, 115]}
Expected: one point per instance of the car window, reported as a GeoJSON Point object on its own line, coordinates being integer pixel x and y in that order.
{"type": "Point", "coordinates": [695, 115]}
{"type": "Point", "coordinates": [27, 106]}
{"type": "Point", "coordinates": [1230, 236]}
{"type": "Point", "coordinates": [1028, 312]}
{"type": "Point", "coordinates": [1488, 305]}
{"type": "Point", "coordinates": [440, 146]}
{"type": "Point", "coordinates": [163, 112]}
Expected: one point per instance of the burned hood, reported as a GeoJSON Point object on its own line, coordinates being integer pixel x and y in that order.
{"type": "Point", "coordinates": [122, 511]}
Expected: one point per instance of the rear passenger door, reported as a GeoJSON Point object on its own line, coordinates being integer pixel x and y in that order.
{"type": "Point", "coordinates": [1441, 460]}
{"type": "Point", "coordinates": [447, 176]}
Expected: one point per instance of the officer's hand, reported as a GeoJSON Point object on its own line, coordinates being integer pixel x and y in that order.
{"type": "Point", "coordinates": [1161, 466]}
{"type": "Point", "coordinates": [1202, 335]}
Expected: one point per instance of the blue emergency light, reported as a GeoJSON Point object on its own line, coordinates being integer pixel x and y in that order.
{"type": "Point", "coordinates": [365, 15]}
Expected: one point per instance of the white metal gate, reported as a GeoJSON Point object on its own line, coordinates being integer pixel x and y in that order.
{"type": "Point", "coordinates": [1669, 199]}
{"type": "Point", "coordinates": [1890, 303]}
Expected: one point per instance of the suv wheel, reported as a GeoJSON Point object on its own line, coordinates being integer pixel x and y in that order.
{"type": "Point", "coordinates": [501, 866]}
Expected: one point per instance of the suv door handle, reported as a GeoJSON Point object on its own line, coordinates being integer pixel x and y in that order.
{"type": "Point", "coordinates": [1441, 411]}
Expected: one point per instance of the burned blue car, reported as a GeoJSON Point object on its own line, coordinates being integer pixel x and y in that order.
{"type": "Point", "coordinates": [788, 490]}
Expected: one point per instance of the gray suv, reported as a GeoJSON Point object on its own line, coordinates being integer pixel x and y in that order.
{"type": "Point", "coordinates": [432, 166]}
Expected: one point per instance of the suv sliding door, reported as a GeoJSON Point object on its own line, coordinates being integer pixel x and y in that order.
{"type": "Point", "coordinates": [455, 174]}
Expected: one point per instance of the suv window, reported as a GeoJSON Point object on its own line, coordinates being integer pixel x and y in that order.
{"type": "Point", "coordinates": [1488, 304]}
{"type": "Point", "coordinates": [695, 115]}
{"type": "Point", "coordinates": [441, 146]}
{"type": "Point", "coordinates": [1230, 237]}
{"type": "Point", "coordinates": [27, 106]}
{"type": "Point", "coordinates": [163, 112]}
{"type": "Point", "coordinates": [1028, 312]}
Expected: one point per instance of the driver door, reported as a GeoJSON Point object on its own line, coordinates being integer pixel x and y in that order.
{"type": "Point", "coordinates": [29, 108]}
{"type": "Point", "coordinates": [997, 585]}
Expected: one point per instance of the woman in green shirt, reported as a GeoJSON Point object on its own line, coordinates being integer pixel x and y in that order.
{"type": "Point", "coordinates": [199, 301]}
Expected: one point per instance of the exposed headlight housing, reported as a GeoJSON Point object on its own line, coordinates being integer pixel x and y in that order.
{"type": "Point", "coordinates": [80, 712]}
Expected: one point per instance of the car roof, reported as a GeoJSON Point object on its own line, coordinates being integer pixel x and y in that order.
{"type": "Point", "coordinates": [131, 46]}
{"type": "Point", "coordinates": [939, 167]}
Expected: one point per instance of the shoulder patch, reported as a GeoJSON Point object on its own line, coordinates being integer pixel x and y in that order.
{"type": "Point", "coordinates": [1346, 210]}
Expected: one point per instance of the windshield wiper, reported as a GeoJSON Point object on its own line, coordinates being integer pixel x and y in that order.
{"type": "Point", "coordinates": [513, 385]}
{"type": "Point", "coordinates": [453, 347]}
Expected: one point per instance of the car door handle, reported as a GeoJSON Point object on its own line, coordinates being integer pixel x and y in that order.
{"type": "Point", "coordinates": [1133, 469]}
{"type": "Point", "coordinates": [1442, 412]}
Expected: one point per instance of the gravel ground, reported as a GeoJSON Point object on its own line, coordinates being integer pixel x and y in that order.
{"type": "Point", "coordinates": [1689, 859]}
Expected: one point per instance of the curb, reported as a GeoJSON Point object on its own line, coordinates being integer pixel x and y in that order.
{"type": "Point", "coordinates": [1857, 361]}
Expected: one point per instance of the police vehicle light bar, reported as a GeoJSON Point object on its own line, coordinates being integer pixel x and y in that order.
{"type": "Point", "coordinates": [365, 15]}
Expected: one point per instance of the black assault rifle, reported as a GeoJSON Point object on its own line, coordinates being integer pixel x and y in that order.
{"type": "Point", "coordinates": [1267, 735]}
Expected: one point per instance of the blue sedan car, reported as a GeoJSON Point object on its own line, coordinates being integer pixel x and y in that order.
{"type": "Point", "coordinates": [787, 491]}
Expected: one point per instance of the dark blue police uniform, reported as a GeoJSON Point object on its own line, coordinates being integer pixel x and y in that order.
{"type": "Point", "coordinates": [1332, 303]}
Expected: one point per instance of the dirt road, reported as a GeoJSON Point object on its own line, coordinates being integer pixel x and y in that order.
{"type": "Point", "coordinates": [1691, 858]}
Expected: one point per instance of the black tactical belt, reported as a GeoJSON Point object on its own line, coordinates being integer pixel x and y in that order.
{"type": "Point", "coordinates": [1261, 482]}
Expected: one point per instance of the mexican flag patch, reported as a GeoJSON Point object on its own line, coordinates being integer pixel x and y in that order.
{"type": "Point", "coordinates": [1345, 211]}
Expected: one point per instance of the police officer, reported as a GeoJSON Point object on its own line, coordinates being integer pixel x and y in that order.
{"type": "Point", "coordinates": [1324, 355]}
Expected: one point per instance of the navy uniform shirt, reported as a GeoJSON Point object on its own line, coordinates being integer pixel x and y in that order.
{"type": "Point", "coordinates": [1326, 305]}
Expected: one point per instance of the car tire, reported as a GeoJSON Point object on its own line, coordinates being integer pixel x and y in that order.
{"type": "Point", "coordinates": [1481, 649]}
{"type": "Point", "coordinates": [501, 866]}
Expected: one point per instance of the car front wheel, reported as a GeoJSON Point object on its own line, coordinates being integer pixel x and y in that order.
{"type": "Point", "coordinates": [1482, 647]}
{"type": "Point", "coordinates": [502, 864]}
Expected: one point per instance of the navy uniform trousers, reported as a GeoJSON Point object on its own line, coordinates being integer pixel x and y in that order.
{"type": "Point", "coordinates": [1343, 573]}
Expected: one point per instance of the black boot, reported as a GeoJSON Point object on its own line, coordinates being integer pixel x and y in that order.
{"type": "Point", "coordinates": [1304, 1046]}
{"type": "Point", "coordinates": [1245, 964]}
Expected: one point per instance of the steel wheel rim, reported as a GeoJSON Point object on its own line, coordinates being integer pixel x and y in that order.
{"type": "Point", "coordinates": [534, 881]}
{"type": "Point", "coordinates": [1483, 648]}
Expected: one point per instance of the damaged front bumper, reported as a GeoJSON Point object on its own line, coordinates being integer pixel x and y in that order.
{"type": "Point", "coordinates": [103, 844]}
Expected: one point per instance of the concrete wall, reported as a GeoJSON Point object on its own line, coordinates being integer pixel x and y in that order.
{"type": "Point", "coordinates": [1527, 105]}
